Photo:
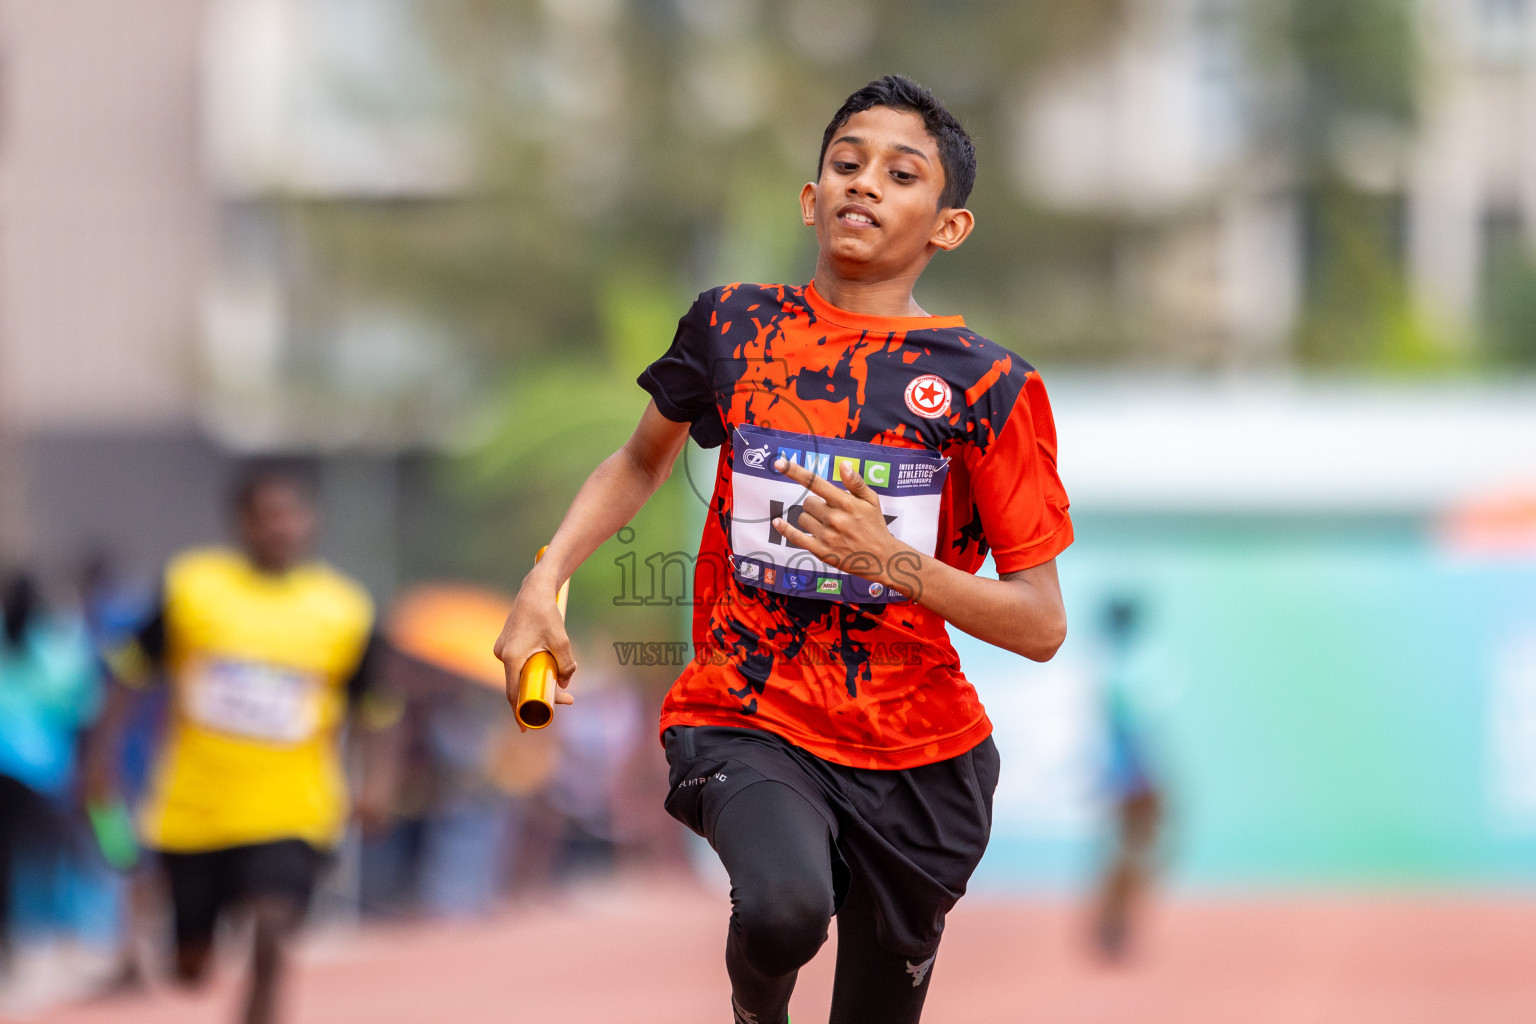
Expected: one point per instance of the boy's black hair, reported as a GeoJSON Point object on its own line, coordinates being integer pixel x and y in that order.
{"type": "Point", "coordinates": [257, 476]}
{"type": "Point", "coordinates": [956, 151]}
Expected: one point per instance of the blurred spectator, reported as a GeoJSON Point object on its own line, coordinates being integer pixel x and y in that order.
{"type": "Point", "coordinates": [47, 691]}
{"type": "Point", "coordinates": [474, 823]}
{"type": "Point", "coordinates": [598, 738]}
{"type": "Point", "coordinates": [266, 652]}
{"type": "Point", "coordinates": [485, 809]}
{"type": "Point", "coordinates": [1134, 789]}
{"type": "Point", "coordinates": [473, 784]}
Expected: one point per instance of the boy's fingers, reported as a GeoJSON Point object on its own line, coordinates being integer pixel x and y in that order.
{"type": "Point", "coordinates": [558, 643]}
{"type": "Point", "coordinates": [859, 489]}
{"type": "Point", "coordinates": [500, 648]}
{"type": "Point", "coordinates": [808, 522]}
{"type": "Point", "coordinates": [818, 486]}
{"type": "Point", "coordinates": [514, 685]}
{"type": "Point", "coordinates": [799, 538]}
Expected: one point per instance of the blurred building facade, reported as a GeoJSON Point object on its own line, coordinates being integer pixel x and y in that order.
{"type": "Point", "coordinates": [1471, 179]}
{"type": "Point", "coordinates": [147, 343]}
{"type": "Point", "coordinates": [1176, 127]}
{"type": "Point", "coordinates": [108, 223]}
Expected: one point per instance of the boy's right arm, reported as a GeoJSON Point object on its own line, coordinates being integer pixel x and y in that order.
{"type": "Point", "coordinates": [130, 668]}
{"type": "Point", "coordinates": [612, 495]}
{"type": "Point", "coordinates": [103, 743]}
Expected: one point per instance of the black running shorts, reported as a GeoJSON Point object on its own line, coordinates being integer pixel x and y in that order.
{"type": "Point", "coordinates": [204, 884]}
{"type": "Point", "coordinates": [913, 836]}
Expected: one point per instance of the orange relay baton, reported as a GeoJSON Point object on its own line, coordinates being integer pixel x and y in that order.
{"type": "Point", "coordinates": [536, 683]}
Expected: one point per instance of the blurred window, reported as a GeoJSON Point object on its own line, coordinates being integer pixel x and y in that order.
{"type": "Point", "coordinates": [1508, 288]}
{"type": "Point", "coordinates": [1502, 30]}
{"type": "Point", "coordinates": [1219, 65]}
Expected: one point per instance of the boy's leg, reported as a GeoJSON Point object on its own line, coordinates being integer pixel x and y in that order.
{"type": "Point", "coordinates": [912, 838]}
{"type": "Point", "coordinates": [198, 890]}
{"type": "Point", "coordinates": [1130, 872]}
{"type": "Point", "coordinates": [873, 983]}
{"type": "Point", "coordinates": [275, 920]}
{"type": "Point", "coordinates": [777, 849]}
{"type": "Point", "coordinates": [275, 882]}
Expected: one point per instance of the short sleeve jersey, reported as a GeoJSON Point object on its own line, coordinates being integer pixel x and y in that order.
{"type": "Point", "coordinates": [261, 669]}
{"type": "Point", "coordinates": [857, 681]}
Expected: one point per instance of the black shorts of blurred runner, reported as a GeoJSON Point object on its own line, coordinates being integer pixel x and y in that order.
{"type": "Point", "coordinates": [206, 884]}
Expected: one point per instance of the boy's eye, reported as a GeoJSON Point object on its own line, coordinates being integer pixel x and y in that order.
{"type": "Point", "coordinates": [844, 166]}
{"type": "Point", "coordinates": [903, 176]}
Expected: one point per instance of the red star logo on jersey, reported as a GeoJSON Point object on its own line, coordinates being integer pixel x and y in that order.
{"type": "Point", "coordinates": [928, 396]}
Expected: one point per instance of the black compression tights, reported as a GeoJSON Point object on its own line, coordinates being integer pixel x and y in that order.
{"type": "Point", "coordinates": [778, 851]}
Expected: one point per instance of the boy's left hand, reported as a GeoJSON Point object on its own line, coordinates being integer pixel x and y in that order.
{"type": "Point", "coordinates": [845, 529]}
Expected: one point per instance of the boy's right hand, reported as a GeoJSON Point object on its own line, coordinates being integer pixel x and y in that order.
{"type": "Point", "coordinates": [98, 784]}
{"type": "Point", "coordinates": [534, 625]}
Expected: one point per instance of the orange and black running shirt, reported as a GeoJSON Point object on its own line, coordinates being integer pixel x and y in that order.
{"type": "Point", "coordinates": [955, 435]}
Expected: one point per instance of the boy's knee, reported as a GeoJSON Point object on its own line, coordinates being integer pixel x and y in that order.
{"type": "Point", "coordinates": [275, 916]}
{"type": "Point", "coordinates": [781, 930]}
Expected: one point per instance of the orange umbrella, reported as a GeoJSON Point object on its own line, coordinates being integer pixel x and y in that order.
{"type": "Point", "coordinates": [452, 626]}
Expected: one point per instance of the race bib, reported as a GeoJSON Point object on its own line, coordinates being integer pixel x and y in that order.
{"type": "Point", "coordinates": [909, 481]}
{"type": "Point", "coordinates": [254, 700]}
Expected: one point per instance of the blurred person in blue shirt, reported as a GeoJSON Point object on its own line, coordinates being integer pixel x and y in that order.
{"type": "Point", "coordinates": [1134, 789]}
{"type": "Point", "coordinates": [48, 691]}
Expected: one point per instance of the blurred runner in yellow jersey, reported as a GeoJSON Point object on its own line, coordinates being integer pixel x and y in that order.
{"type": "Point", "coordinates": [265, 653]}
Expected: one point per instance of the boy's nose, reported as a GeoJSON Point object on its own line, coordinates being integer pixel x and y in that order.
{"type": "Point", "coordinates": [865, 185]}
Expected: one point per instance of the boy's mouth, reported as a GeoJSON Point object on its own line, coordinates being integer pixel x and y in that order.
{"type": "Point", "coordinates": [857, 216]}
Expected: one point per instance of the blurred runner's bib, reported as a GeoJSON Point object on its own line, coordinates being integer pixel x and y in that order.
{"type": "Point", "coordinates": [909, 482]}
{"type": "Point", "coordinates": [254, 700]}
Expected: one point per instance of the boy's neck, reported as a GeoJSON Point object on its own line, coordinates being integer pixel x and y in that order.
{"type": "Point", "coordinates": [891, 297]}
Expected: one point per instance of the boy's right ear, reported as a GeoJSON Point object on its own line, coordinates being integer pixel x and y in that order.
{"type": "Point", "coordinates": [808, 204]}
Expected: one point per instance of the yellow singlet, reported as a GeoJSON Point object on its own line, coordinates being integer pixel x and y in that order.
{"type": "Point", "coordinates": [258, 666]}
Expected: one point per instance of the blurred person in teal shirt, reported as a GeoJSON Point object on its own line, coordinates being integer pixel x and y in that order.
{"type": "Point", "coordinates": [1134, 787]}
{"type": "Point", "coordinates": [48, 691]}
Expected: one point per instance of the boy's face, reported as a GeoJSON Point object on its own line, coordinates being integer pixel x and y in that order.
{"type": "Point", "coordinates": [277, 524]}
{"type": "Point", "coordinates": [876, 205]}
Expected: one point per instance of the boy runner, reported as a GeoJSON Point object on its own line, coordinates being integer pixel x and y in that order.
{"type": "Point", "coordinates": [264, 652]}
{"type": "Point", "coordinates": [824, 739]}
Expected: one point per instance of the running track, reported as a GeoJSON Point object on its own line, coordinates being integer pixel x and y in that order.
{"type": "Point", "coordinates": [649, 953]}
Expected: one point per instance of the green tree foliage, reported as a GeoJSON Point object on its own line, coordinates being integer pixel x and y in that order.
{"type": "Point", "coordinates": [1360, 66]}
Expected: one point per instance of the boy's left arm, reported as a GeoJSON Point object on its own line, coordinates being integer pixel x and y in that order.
{"type": "Point", "coordinates": [377, 707]}
{"type": "Point", "coordinates": [1020, 612]}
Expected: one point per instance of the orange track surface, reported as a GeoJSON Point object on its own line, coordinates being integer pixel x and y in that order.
{"type": "Point", "coordinates": [651, 954]}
